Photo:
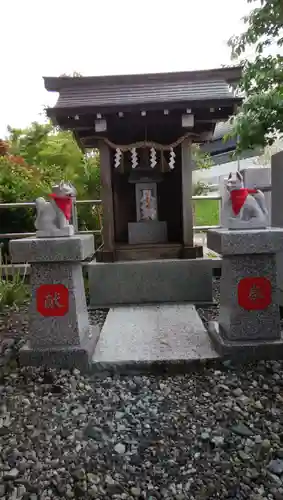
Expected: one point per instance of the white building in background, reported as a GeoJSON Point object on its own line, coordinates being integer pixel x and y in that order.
{"type": "Point", "coordinates": [221, 153]}
{"type": "Point", "coordinates": [212, 175]}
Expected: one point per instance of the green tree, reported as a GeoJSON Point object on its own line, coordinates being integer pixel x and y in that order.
{"type": "Point", "coordinates": [260, 119]}
{"type": "Point", "coordinates": [54, 152]}
{"type": "Point", "coordinates": [57, 156]}
{"type": "Point", "coordinates": [200, 188]}
{"type": "Point", "coordinates": [18, 182]}
{"type": "Point", "coordinates": [33, 159]}
{"type": "Point", "coordinates": [202, 159]}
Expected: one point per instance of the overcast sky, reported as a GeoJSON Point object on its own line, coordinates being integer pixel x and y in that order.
{"type": "Point", "coordinates": [96, 37]}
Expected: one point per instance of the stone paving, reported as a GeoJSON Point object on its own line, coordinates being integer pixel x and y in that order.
{"type": "Point", "coordinates": [133, 337]}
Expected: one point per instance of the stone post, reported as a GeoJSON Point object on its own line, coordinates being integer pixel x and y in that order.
{"type": "Point", "coordinates": [59, 331]}
{"type": "Point", "coordinates": [277, 189]}
{"type": "Point", "coordinates": [249, 320]}
{"type": "Point", "coordinates": [187, 168]}
{"type": "Point", "coordinates": [189, 250]}
{"type": "Point", "coordinates": [277, 212]}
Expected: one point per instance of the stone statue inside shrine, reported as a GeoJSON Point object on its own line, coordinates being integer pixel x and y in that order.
{"type": "Point", "coordinates": [148, 205]}
{"type": "Point", "coordinates": [53, 217]}
{"type": "Point", "coordinates": [243, 208]}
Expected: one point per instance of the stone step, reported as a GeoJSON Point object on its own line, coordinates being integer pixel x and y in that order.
{"type": "Point", "coordinates": [150, 281]}
{"type": "Point", "coordinates": [152, 338]}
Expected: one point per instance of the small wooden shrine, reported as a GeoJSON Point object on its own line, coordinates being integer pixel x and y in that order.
{"type": "Point", "coordinates": [144, 126]}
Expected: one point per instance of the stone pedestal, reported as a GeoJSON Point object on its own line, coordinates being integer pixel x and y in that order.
{"type": "Point", "coordinates": [147, 231]}
{"type": "Point", "coordinates": [249, 320]}
{"type": "Point", "coordinates": [59, 330]}
{"type": "Point", "coordinates": [150, 281]}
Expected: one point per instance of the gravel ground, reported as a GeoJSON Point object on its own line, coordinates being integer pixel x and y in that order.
{"type": "Point", "coordinates": [211, 313]}
{"type": "Point", "coordinates": [206, 435]}
{"type": "Point", "coordinates": [14, 328]}
{"type": "Point", "coordinates": [214, 434]}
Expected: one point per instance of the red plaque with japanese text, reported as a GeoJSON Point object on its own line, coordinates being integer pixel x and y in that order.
{"type": "Point", "coordinates": [254, 294]}
{"type": "Point", "coordinates": [52, 300]}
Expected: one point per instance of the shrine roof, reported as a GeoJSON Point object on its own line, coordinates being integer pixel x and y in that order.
{"type": "Point", "coordinates": [136, 90]}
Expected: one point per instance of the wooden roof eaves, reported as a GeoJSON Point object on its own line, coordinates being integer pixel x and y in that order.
{"type": "Point", "coordinates": [229, 74]}
{"type": "Point", "coordinates": [81, 110]}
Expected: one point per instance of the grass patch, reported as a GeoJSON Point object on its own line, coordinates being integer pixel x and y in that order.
{"type": "Point", "coordinates": [206, 212]}
{"type": "Point", "coordinates": [13, 290]}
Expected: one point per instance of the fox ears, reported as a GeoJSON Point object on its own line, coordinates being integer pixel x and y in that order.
{"type": "Point", "coordinates": [238, 175]}
{"type": "Point", "coordinates": [64, 183]}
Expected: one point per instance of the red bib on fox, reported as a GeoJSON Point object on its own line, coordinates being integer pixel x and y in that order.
{"type": "Point", "coordinates": [65, 204]}
{"type": "Point", "coordinates": [238, 198]}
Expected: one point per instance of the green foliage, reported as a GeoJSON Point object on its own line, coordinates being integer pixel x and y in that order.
{"type": "Point", "coordinates": [36, 158]}
{"type": "Point", "coordinates": [17, 179]}
{"type": "Point", "coordinates": [13, 290]}
{"type": "Point", "coordinates": [206, 212]}
{"type": "Point", "coordinates": [49, 156]}
{"type": "Point", "coordinates": [55, 153]}
{"type": "Point", "coordinates": [260, 120]}
{"type": "Point", "coordinates": [18, 182]}
{"type": "Point", "coordinates": [265, 158]}
{"type": "Point", "coordinates": [202, 159]}
{"type": "Point", "coordinates": [200, 188]}
{"type": "Point", "coordinates": [75, 74]}
{"type": "Point", "coordinates": [264, 25]}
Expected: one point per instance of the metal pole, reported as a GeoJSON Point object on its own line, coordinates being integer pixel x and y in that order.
{"type": "Point", "coordinates": [238, 158]}
{"type": "Point", "coordinates": [75, 215]}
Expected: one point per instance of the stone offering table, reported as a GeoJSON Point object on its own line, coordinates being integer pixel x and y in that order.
{"type": "Point", "coordinates": [249, 320]}
{"type": "Point", "coordinates": [59, 331]}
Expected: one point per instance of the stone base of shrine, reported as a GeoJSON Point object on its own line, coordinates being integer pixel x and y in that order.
{"type": "Point", "coordinates": [153, 231]}
{"type": "Point", "coordinates": [150, 282]}
{"type": "Point", "coordinates": [244, 350]}
{"type": "Point", "coordinates": [126, 252]}
{"type": "Point", "coordinates": [195, 252]}
{"type": "Point", "coordinates": [65, 357]}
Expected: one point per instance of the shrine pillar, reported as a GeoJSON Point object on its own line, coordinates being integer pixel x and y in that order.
{"type": "Point", "coordinates": [187, 192]}
{"type": "Point", "coordinates": [107, 201]}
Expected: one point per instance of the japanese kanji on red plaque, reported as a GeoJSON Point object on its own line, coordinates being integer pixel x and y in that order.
{"type": "Point", "coordinates": [52, 300]}
{"type": "Point", "coordinates": [254, 294]}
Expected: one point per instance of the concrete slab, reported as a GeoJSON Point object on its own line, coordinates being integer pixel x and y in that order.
{"type": "Point", "coordinates": [143, 338]}
{"type": "Point", "coordinates": [148, 282]}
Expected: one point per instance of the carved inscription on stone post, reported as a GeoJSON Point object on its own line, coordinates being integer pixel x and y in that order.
{"type": "Point", "coordinates": [52, 300]}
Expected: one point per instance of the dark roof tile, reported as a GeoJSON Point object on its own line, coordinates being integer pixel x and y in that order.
{"type": "Point", "coordinates": [151, 92]}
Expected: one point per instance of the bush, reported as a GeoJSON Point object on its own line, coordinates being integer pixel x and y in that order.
{"type": "Point", "coordinates": [34, 160]}
{"type": "Point", "coordinates": [18, 182]}
{"type": "Point", "coordinates": [13, 290]}
{"type": "Point", "coordinates": [206, 212]}
{"type": "Point", "coordinates": [200, 188]}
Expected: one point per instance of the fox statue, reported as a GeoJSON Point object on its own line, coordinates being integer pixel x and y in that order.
{"type": "Point", "coordinates": [53, 217]}
{"type": "Point", "coordinates": [243, 208]}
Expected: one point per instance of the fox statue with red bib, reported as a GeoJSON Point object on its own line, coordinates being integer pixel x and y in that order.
{"type": "Point", "coordinates": [243, 208]}
{"type": "Point", "coordinates": [53, 217]}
